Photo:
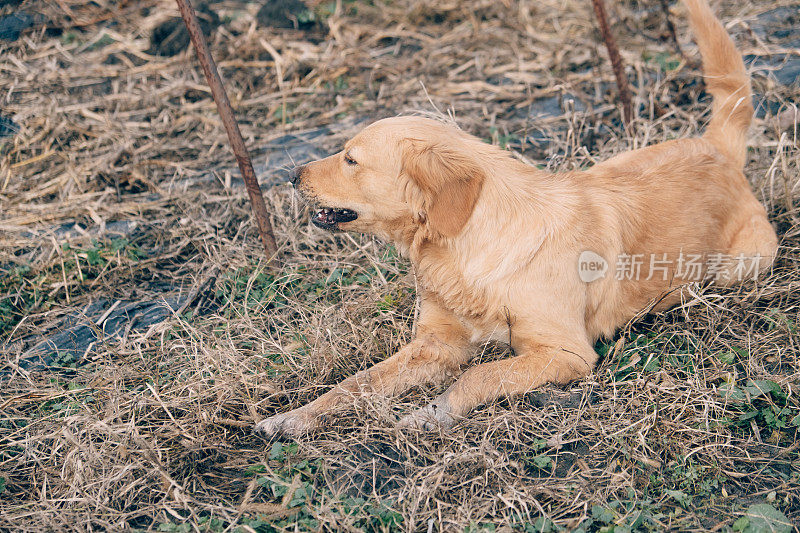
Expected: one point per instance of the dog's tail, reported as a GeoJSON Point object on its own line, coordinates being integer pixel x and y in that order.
{"type": "Point", "coordinates": [726, 80]}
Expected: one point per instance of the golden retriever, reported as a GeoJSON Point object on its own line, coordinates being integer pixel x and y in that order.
{"type": "Point", "coordinates": [546, 262]}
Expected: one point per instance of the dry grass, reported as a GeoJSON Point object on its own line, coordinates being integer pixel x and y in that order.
{"type": "Point", "coordinates": [689, 419]}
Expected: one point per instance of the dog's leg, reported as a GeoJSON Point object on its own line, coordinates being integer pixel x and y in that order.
{"type": "Point", "coordinates": [752, 250]}
{"type": "Point", "coordinates": [535, 365]}
{"type": "Point", "coordinates": [440, 348]}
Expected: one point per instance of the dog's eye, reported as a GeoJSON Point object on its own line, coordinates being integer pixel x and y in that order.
{"type": "Point", "coordinates": [349, 160]}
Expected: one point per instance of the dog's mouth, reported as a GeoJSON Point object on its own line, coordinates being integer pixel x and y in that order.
{"type": "Point", "coordinates": [330, 218]}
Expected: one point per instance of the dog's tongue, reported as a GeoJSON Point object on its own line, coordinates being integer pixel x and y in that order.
{"type": "Point", "coordinates": [330, 216]}
{"type": "Point", "coordinates": [326, 216]}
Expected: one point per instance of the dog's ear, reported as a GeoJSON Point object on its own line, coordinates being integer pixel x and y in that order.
{"type": "Point", "coordinates": [450, 180]}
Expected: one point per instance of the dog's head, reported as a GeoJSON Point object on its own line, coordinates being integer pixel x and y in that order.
{"type": "Point", "coordinates": [396, 174]}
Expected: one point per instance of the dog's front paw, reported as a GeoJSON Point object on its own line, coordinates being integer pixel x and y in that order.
{"type": "Point", "coordinates": [291, 424]}
{"type": "Point", "coordinates": [433, 416]}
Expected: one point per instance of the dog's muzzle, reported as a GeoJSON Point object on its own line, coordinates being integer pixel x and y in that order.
{"type": "Point", "coordinates": [295, 173]}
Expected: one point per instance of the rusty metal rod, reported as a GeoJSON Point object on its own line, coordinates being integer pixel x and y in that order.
{"type": "Point", "coordinates": [671, 28]}
{"type": "Point", "coordinates": [231, 127]}
{"type": "Point", "coordinates": [616, 61]}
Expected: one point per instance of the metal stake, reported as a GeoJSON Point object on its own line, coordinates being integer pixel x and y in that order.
{"type": "Point", "coordinates": [231, 127]}
{"type": "Point", "coordinates": [616, 61]}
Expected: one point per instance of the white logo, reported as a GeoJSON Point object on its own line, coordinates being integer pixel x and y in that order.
{"type": "Point", "coordinates": [591, 266]}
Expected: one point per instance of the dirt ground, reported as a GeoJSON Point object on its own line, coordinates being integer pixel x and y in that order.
{"type": "Point", "coordinates": [142, 332]}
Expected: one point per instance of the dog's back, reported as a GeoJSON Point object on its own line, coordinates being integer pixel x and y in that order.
{"type": "Point", "coordinates": [682, 198]}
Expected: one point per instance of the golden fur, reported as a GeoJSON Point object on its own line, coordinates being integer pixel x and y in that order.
{"type": "Point", "coordinates": [495, 243]}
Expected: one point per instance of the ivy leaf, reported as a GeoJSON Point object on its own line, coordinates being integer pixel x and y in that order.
{"type": "Point", "coordinates": [680, 497]}
{"type": "Point", "coordinates": [761, 387]}
{"type": "Point", "coordinates": [730, 392]}
{"type": "Point", "coordinates": [764, 518]}
{"type": "Point", "coordinates": [276, 451]}
{"type": "Point", "coordinates": [601, 514]}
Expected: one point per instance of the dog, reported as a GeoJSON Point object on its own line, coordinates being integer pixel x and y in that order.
{"type": "Point", "coordinates": [503, 251]}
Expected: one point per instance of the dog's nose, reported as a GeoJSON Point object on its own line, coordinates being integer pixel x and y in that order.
{"type": "Point", "coordinates": [294, 174]}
